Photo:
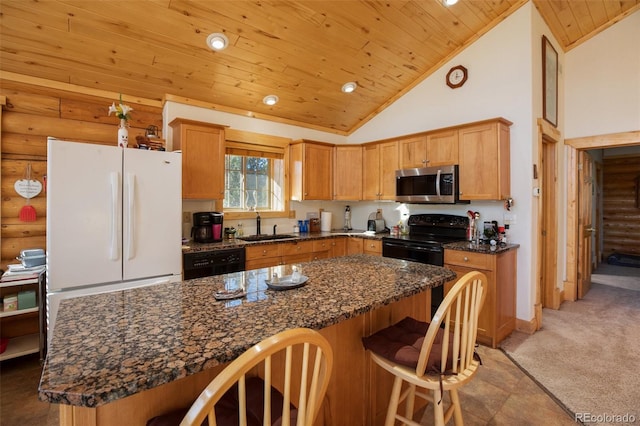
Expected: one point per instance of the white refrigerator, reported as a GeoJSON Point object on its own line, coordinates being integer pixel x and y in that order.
{"type": "Point", "coordinates": [113, 220]}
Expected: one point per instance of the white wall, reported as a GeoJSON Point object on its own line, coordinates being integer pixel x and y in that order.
{"type": "Point", "coordinates": [501, 71]}
{"type": "Point", "coordinates": [603, 82]}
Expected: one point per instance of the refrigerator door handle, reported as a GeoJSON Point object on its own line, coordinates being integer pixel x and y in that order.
{"type": "Point", "coordinates": [115, 193]}
{"type": "Point", "coordinates": [131, 189]}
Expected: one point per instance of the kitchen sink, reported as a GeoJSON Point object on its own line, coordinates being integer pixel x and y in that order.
{"type": "Point", "coordinates": [266, 237]}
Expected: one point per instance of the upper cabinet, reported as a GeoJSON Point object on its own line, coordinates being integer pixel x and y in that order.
{"type": "Point", "coordinates": [379, 165]}
{"type": "Point", "coordinates": [429, 149]}
{"type": "Point", "coordinates": [347, 176]}
{"type": "Point", "coordinates": [311, 170]}
{"type": "Point", "coordinates": [202, 146]}
{"type": "Point", "coordinates": [484, 160]}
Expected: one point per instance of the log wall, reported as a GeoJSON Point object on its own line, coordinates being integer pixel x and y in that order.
{"type": "Point", "coordinates": [621, 212]}
{"type": "Point", "coordinates": [30, 115]}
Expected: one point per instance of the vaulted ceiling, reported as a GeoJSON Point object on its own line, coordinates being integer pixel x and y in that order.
{"type": "Point", "coordinates": [301, 51]}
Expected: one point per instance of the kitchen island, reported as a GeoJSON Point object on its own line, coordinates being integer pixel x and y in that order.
{"type": "Point", "coordinates": [125, 356]}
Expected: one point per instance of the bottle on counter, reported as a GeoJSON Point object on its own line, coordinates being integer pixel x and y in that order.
{"type": "Point", "coordinates": [239, 230]}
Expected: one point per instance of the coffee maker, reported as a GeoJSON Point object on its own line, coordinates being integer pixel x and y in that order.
{"type": "Point", "coordinates": [207, 227]}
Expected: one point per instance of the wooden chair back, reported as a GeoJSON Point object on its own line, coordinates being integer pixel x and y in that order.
{"type": "Point", "coordinates": [297, 361]}
{"type": "Point", "coordinates": [458, 315]}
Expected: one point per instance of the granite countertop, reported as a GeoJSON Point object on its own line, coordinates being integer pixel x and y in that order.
{"type": "Point", "coordinates": [192, 246]}
{"type": "Point", "coordinates": [480, 248]}
{"type": "Point", "coordinates": [112, 345]}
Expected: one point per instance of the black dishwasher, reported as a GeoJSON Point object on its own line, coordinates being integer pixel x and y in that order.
{"type": "Point", "coordinates": [200, 264]}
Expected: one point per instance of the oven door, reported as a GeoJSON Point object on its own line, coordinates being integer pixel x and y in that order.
{"type": "Point", "coordinates": [415, 252]}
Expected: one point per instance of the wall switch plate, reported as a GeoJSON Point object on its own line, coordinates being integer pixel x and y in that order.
{"type": "Point", "coordinates": [186, 217]}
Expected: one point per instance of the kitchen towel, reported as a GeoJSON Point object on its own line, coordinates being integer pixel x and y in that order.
{"type": "Point", "coordinates": [325, 221]}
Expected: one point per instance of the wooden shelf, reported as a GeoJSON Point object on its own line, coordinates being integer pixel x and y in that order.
{"type": "Point", "coordinates": [18, 312]}
{"type": "Point", "coordinates": [23, 345]}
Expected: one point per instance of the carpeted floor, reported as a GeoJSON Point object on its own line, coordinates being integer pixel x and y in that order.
{"type": "Point", "coordinates": [587, 354]}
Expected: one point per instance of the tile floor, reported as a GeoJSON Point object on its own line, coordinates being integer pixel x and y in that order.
{"type": "Point", "coordinates": [500, 394]}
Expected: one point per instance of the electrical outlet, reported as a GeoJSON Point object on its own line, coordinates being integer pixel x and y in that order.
{"type": "Point", "coordinates": [186, 217]}
{"type": "Point", "coordinates": [510, 218]}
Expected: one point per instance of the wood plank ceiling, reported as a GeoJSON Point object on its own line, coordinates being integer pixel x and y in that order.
{"type": "Point", "coordinates": [301, 51]}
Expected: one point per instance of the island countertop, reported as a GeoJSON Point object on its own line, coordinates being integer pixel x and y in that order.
{"type": "Point", "coordinates": [109, 346]}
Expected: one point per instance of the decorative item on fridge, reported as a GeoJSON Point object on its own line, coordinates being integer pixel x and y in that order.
{"type": "Point", "coordinates": [122, 111]}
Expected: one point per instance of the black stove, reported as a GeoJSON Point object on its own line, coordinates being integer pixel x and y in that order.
{"type": "Point", "coordinates": [432, 230]}
{"type": "Point", "coordinates": [427, 234]}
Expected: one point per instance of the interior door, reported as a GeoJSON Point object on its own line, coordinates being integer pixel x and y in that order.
{"type": "Point", "coordinates": [585, 222]}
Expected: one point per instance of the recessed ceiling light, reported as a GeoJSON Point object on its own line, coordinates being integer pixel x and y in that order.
{"type": "Point", "coordinates": [449, 2]}
{"type": "Point", "coordinates": [270, 100]}
{"type": "Point", "coordinates": [217, 41]}
{"type": "Point", "coordinates": [349, 87]}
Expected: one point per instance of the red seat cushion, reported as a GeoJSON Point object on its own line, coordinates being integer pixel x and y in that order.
{"type": "Point", "coordinates": [401, 343]}
{"type": "Point", "coordinates": [227, 408]}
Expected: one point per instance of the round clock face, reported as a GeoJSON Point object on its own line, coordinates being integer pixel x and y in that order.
{"type": "Point", "coordinates": [456, 76]}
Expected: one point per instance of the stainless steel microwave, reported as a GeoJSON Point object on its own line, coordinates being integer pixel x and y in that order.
{"type": "Point", "coordinates": [428, 185]}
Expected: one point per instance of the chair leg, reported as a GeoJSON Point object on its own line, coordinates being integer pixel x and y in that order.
{"type": "Point", "coordinates": [438, 407]}
{"type": "Point", "coordinates": [393, 402]}
{"type": "Point", "coordinates": [457, 409]}
{"type": "Point", "coordinates": [410, 401]}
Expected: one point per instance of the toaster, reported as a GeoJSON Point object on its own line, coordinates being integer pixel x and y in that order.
{"type": "Point", "coordinates": [376, 225]}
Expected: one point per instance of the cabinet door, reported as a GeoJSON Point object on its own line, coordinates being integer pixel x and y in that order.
{"type": "Point", "coordinates": [442, 148]}
{"type": "Point", "coordinates": [338, 247]}
{"type": "Point", "coordinates": [483, 152]}
{"type": "Point", "coordinates": [486, 320]}
{"type": "Point", "coordinates": [388, 166]}
{"type": "Point", "coordinates": [202, 148]}
{"type": "Point", "coordinates": [372, 247]}
{"type": "Point", "coordinates": [347, 179]}
{"type": "Point", "coordinates": [371, 172]}
{"type": "Point", "coordinates": [355, 245]}
{"type": "Point", "coordinates": [413, 152]}
{"type": "Point", "coordinates": [318, 172]}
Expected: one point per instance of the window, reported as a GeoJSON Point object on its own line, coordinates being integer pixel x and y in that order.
{"type": "Point", "coordinates": [253, 182]}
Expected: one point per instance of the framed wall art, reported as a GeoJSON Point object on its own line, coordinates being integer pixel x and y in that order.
{"type": "Point", "coordinates": [549, 82]}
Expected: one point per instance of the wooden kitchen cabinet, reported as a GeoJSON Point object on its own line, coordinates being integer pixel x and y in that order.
{"type": "Point", "coordinates": [373, 247]}
{"type": "Point", "coordinates": [355, 245]}
{"type": "Point", "coordinates": [380, 162]}
{"type": "Point", "coordinates": [202, 146]}
{"type": "Point", "coordinates": [262, 256]}
{"type": "Point", "coordinates": [483, 152]}
{"type": "Point", "coordinates": [311, 170]}
{"type": "Point", "coordinates": [429, 149]}
{"type": "Point", "coordinates": [498, 316]}
{"type": "Point", "coordinates": [347, 175]}
{"type": "Point", "coordinates": [265, 255]}
{"type": "Point", "coordinates": [327, 248]}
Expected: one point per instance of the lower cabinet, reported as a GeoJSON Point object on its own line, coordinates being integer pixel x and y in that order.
{"type": "Point", "coordinates": [355, 245]}
{"type": "Point", "coordinates": [498, 316]}
{"type": "Point", "coordinates": [373, 247]}
{"type": "Point", "coordinates": [265, 255]}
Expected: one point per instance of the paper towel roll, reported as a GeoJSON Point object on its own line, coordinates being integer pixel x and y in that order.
{"type": "Point", "coordinates": [325, 221]}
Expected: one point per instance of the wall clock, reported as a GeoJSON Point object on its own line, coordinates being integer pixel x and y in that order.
{"type": "Point", "coordinates": [456, 76]}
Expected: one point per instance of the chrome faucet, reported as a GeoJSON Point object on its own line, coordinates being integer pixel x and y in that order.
{"type": "Point", "coordinates": [274, 229]}
{"type": "Point", "coordinates": [258, 224]}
